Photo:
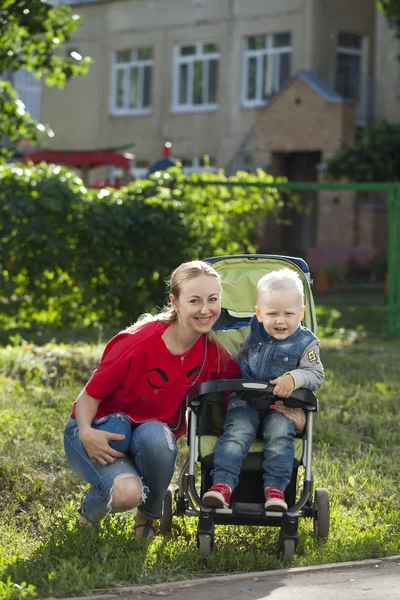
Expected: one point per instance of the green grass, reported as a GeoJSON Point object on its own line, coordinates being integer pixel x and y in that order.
{"type": "Point", "coordinates": [361, 311]}
{"type": "Point", "coordinates": [45, 553]}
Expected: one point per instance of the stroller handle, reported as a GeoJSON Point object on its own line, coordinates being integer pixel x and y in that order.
{"type": "Point", "coordinates": [213, 391]}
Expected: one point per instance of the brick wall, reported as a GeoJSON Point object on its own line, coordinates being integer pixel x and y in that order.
{"type": "Point", "coordinates": [347, 228]}
{"type": "Point", "coordinates": [300, 120]}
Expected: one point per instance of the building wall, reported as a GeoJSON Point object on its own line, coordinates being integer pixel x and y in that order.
{"type": "Point", "coordinates": [80, 113]}
{"type": "Point", "coordinates": [330, 18]}
{"type": "Point", "coordinates": [81, 118]}
{"type": "Point", "coordinates": [387, 72]}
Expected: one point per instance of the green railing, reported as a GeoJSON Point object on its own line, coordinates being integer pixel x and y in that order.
{"type": "Point", "coordinates": [393, 224]}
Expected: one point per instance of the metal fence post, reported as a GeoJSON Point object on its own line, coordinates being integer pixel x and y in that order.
{"type": "Point", "coordinates": [394, 260]}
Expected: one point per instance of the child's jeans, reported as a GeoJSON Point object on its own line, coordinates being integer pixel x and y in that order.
{"type": "Point", "coordinates": [150, 457]}
{"type": "Point", "coordinates": [242, 426]}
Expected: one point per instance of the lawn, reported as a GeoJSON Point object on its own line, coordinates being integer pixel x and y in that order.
{"type": "Point", "coordinates": [43, 550]}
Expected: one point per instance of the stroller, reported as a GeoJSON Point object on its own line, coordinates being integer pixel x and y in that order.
{"type": "Point", "coordinates": [239, 276]}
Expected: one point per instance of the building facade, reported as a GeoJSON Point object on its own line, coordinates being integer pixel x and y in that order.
{"type": "Point", "coordinates": [211, 77]}
{"type": "Point", "coordinates": [196, 72]}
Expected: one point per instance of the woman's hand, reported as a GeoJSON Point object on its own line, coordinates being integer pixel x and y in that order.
{"type": "Point", "coordinates": [95, 440]}
{"type": "Point", "coordinates": [297, 415]}
{"type": "Point", "coordinates": [97, 445]}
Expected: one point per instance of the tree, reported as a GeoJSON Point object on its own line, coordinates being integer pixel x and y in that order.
{"type": "Point", "coordinates": [31, 32]}
{"type": "Point", "coordinates": [375, 156]}
{"type": "Point", "coordinates": [391, 10]}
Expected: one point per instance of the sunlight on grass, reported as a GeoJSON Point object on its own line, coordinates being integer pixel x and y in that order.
{"type": "Point", "coordinates": [45, 553]}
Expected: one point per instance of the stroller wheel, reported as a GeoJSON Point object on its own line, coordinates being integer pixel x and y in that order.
{"type": "Point", "coordinates": [205, 544]}
{"type": "Point", "coordinates": [166, 519]}
{"type": "Point", "coordinates": [287, 551]}
{"type": "Point", "coordinates": [321, 513]}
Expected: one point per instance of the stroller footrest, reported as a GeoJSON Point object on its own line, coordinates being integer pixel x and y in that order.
{"type": "Point", "coordinates": [250, 509]}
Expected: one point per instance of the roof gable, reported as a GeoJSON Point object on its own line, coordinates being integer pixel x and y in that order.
{"type": "Point", "coordinates": [318, 85]}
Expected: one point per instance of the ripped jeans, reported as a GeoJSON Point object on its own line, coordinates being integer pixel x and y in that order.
{"type": "Point", "coordinates": [150, 457]}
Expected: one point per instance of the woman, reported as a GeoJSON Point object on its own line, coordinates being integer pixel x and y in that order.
{"type": "Point", "coordinates": [142, 379]}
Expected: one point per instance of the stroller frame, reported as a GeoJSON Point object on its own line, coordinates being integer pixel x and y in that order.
{"type": "Point", "coordinates": [188, 500]}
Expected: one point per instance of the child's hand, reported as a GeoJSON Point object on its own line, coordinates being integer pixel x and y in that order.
{"type": "Point", "coordinates": [284, 386]}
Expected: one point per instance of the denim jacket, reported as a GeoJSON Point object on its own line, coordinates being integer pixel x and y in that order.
{"type": "Point", "coordinates": [264, 358]}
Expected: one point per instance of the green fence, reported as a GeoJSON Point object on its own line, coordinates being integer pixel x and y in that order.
{"type": "Point", "coordinates": [393, 216]}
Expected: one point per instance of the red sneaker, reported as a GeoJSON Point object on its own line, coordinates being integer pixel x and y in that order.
{"type": "Point", "coordinates": [274, 499]}
{"type": "Point", "coordinates": [218, 496]}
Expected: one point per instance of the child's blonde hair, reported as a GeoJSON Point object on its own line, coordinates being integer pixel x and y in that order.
{"type": "Point", "coordinates": [280, 281]}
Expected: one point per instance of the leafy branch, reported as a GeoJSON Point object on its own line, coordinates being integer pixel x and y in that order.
{"type": "Point", "coordinates": [31, 34]}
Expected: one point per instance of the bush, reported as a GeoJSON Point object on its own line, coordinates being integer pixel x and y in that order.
{"type": "Point", "coordinates": [374, 157]}
{"type": "Point", "coordinates": [72, 255]}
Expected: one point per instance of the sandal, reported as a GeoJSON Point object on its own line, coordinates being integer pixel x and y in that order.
{"type": "Point", "coordinates": [145, 531]}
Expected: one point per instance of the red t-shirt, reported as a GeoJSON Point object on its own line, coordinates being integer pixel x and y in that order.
{"type": "Point", "coordinates": [137, 375]}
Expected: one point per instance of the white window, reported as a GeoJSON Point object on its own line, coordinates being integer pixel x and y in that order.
{"type": "Point", "coordinates": [349, 57]}
{"type": "Point", "coordinates": [197, 165]}
{"type": "Point", "coordinates": [132, 82]}
{"type": "Point", "coordinates": [29, 90]}
{"type": "Point", "coordinates": [196, 77]}
{"type": "Point", "coordinates": [266, 66]}
{"type": "Point", "coordinates": [139, 170]}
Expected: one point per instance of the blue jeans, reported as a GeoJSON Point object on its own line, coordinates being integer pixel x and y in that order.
{"type": "Point", "coordinates": [151, 457]}
{"type": "Point", "coordinates": [243, 424]}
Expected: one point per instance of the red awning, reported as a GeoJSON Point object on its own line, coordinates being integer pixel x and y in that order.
{"type": "Point", "coordinates": [88, 160]}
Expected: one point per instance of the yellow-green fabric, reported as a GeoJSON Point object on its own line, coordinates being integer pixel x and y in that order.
{"type": "Point", "coordinates": [233, 338]}
{"type": "Point", "coordinates": [239, 278]}
{"type": "Point", "coordinates": [255, 456]}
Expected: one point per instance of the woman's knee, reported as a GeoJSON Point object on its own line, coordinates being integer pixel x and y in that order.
{"type": "Point", "coordinates": [156, 439]}
{"type": "Point", "coordinates": [127, 492]}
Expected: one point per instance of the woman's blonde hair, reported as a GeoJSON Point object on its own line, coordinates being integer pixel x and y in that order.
{"type": "Point", "coordinates": [185, 272]}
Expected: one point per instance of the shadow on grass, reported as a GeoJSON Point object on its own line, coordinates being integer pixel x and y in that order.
{"type": "Point", "coordinates": [365, 311]}
{"type": "Point", "coordinates": [75, 559]}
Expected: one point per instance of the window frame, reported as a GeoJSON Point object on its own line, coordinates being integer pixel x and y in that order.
{"type": "Point", "coordinates": [352, 52]}
{"type": "Point", "coordinates": [189, 60]}
{"type": "Point", "coordinates": [125, 67]}
{"type": "Point", "coordinates": [259, 54]}
{"type": "Point", "coordinates": [196, 165]}
{"type": "Point", "coordinates": [29, 89]}
{"type": "Point", "coordinates": [361, 101]}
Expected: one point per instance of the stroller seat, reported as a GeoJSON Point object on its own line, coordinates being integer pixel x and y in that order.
{"type": "Point", "coordinates": [239, 277]}
{"type": "Point", "coordinates": [253, 461]}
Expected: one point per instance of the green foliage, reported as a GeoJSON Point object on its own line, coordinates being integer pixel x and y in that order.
{"type": "Point", "coordinates": [374, 157]}
{"type": "Point", "coordinates": [31, 32]}
{"type": "Point", "coordinates": [391, 10]}
{"type": "Point", "coordinates": [69, 255]}
{"type": "Point", "coordinates": [15, 123]}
